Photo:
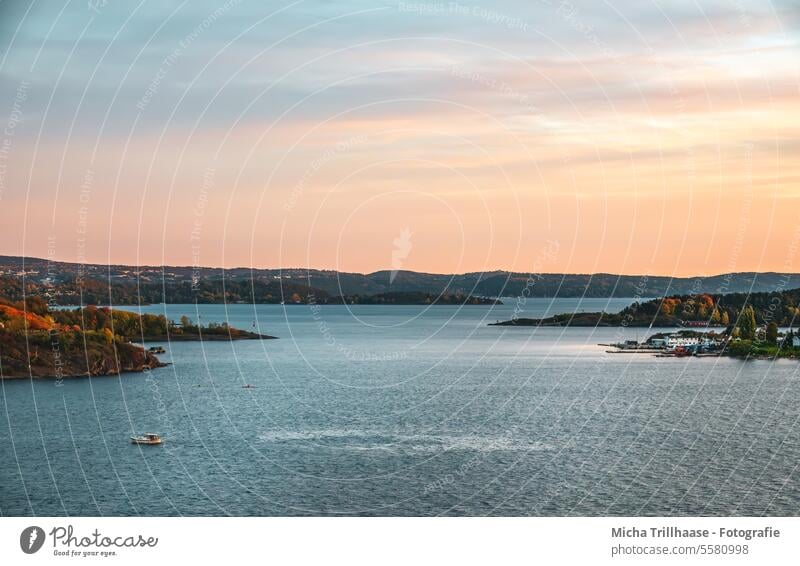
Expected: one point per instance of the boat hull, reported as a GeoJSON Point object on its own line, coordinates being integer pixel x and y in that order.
{"type": "Point", "coordinates": [146, 441]}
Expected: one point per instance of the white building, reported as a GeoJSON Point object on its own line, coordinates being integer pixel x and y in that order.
{"type": "Point", "coordinates": [672, 341]}
{"type": "Point", "coordinates": [796, 341]}
{"type": "Point", "coordinates": [675, 340]}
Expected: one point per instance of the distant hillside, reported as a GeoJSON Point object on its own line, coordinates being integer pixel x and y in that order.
{"type": "Point", "coordinates": [126, 284]}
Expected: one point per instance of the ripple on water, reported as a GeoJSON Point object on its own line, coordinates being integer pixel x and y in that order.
{"type": "Point", "coordinates": [362, 440]}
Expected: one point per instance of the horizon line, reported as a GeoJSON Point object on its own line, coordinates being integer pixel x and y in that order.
{"type": "Point", "coordinates": [165, 265]}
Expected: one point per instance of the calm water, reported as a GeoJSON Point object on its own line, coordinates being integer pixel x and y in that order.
{"type": "Point", "coordinates": [407, 411]}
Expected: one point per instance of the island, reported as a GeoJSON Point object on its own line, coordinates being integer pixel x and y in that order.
{"type": "Point", "coordinates": [38, 342]}
{"type": "Point", "coordinates": [738, 325]}
{"type": "Point", "coordinates": [697, 311]}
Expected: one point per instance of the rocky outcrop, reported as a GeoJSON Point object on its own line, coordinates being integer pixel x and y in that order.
{"type": "Point", "coordinates": [69, 354]}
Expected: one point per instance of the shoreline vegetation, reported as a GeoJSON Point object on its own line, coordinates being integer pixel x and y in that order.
{"type": "Point", "coordinates": [398, 299]}
{"type": "Point", "coordinates": [409, 298]}
{"type": "Point", "coordinates": [697, 311]}
{"type": "Point", "coordinates": [38, 342]}
{"type": "Point", "coordinates": [91, 291]}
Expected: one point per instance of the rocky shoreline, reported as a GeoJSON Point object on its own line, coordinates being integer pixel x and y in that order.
{"type": "Point", "coordinates": [64, 360]}
{"type": "Point", "coordinates": [36, 342]}
{"type": "Point", "coordinates": [206, 337]}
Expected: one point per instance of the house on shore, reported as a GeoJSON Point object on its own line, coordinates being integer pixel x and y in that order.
{"type": "Point", "coordinates": [675, 340]}
{"type": "Point", "coordinates": [681, 340]}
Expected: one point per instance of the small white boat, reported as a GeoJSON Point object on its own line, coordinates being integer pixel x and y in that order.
{"type": "Point", "coordinates": [147, 438]}
{"type": "Point", "coordinates": [248, 386]}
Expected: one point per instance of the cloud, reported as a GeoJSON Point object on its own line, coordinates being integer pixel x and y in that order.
{"type": "Point", "coordinates": [554, 94]}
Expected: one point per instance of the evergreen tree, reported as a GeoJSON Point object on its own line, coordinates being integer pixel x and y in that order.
{"type": "Point", "coordinates": [747, 323]}
{"type": "Point", "coordinates": [772, 333]}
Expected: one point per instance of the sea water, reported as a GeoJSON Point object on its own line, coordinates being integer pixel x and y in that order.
{"type": "Point", "coordinates": [407, 410]}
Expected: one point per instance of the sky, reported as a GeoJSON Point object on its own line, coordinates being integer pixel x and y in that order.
{"type": "Point", "coordinates": [538, 136]}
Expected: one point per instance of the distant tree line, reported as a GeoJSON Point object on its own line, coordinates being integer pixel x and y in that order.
{"type": "Point", "coordinates": [740, 310]}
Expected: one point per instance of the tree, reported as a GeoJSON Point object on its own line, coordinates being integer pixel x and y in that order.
{"type": "Point", "coordinates": [36, 305]}
{"type": "Point", "coordinates": [16, 324]}
{"type": "Point", "coordinates": [772, 333]}
{"type": "Point", "coordinates": [741, 348]}
{"type": "Point", "coordinates": [186, 322]}
{"type": "Point", "coordinates": [669, 305]}
{"type": "Point", "coordinates": [747, 323]}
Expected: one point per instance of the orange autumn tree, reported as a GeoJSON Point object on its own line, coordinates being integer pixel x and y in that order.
{"type": "Point", "coordinates": [670, 305]}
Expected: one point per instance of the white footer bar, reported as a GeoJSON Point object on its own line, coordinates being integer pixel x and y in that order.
{"type": "Point", "coordinates": [401, 541]}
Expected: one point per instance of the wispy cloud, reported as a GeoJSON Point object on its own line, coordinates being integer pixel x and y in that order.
{"type": "Point", "coordinates": [499, 110]}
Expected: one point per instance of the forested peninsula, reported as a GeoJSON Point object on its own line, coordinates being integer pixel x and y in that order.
{"type": "Point", "coordinates": [684, 310]}
{"type": "Point", "coordinates": [36, 341]}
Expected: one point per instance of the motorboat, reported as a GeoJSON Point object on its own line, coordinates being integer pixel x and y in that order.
{"type": "Point", "coordinates": [147, 438]}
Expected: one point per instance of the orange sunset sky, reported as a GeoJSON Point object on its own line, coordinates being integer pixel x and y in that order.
{"type": "Point", "coordinates": [639, 138]}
